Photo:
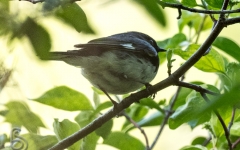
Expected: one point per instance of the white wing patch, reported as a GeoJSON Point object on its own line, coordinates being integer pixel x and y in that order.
{"type": "Point", "coordinates": [128, 46]}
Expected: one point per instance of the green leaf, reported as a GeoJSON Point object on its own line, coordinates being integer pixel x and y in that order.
{"type": "Point", "coordinates": [124, 141]}
{"type": "Point", "coordinates": [154, 10]}
{"type": "Point", "coordinates": [228, 99]}
{"type": "Point", "coordinates": [226, 115]}
{"type": "Point", "coordinates": [212, 62]}
{"type": "Point", "coordinates": [105, 129]}
{"type": "Point", "coordinates": [84, 118]}
{"type": "Point", "coordinates": [228, 46]}
{"type": "Point", "coordinates": [189, 3]}
{"type": "Point", "coordinates": [187, 112]}
{"type": "Point", "coordinates": [214, 3]}
{"type": "Point", "coordinates": [20, 115]}
{"type": "Point", "coordinates": [73, 15]}
{"type": "Point", "coordinates": [65, 98]}
{"type": "Point", "coordinates": [150, 103]}
{"type": "Point", "coordinates": [135, 112]}
{"type": "Point", "coordinates": [154, 119]}
{"type": "Point", "coordinates": [195, 147]}
{"type": "Point", "coordinates": [184, 114]}
{"type": "Point", "coordinates": [64, 129]}
{"type": "Point", "coordinates": [101, 107]}
{"type": "Point", "coordinates": [199, 140]}
{"type": "Point", "coordinates": [90, 142]}
{"type": "Point", "coordinates": [231, 78]}
{"type": "Point", "coordinates": [172, 1]}
{"type": "Point", "coordinates": [235, 129]}
{"type": "Point", "coordinates": [39, 142]}
{"type": "Point", "coordinates": [96, 99]}
{"type": "Point", "coordinates": [184, 92]}
{"type": "Point", "coordinates": [194, 20]}
{"type": "Point", "coordinates": [38, 37]}
{"type": "Point", "coordinates": [176, 40]}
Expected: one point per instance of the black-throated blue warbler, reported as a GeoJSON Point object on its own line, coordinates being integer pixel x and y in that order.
{"type": "Point", "coordinates": [117, 64]}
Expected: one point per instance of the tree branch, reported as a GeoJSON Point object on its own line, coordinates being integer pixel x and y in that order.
{"type": "Point", "coordinates": [171, 80]}
{"type": "Point", "coordinates": [182, 7]}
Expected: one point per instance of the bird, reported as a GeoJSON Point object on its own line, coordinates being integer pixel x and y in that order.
{"type": "Point", "coordinates": [116, 64]}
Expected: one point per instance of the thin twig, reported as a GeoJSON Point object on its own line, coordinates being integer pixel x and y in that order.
{"type": "Point", "coordinates": [236, 143]}
{"type": "Point", "coordinates": [196, 88]}
{"type": "Point", "coordinates": [232, 119]}
{"type": "Point", "coordinates": [137, 126]}
{"type": "Point", "coordinates": [168, 114]}
{"type": "Point", "coordinates": [226, 132]}
{"type": "Point", "coordinates": [200, 28]}
{"type": "Point", "coordinates": [206, 142]}
{"type": "Point", "coordinates": [182, 7]}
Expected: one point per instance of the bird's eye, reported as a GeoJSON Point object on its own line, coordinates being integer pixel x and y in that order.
{"type": "Point", "coordinates": [151, 42]}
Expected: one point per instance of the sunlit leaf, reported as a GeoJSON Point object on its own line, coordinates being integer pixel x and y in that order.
{"type": "Point", "coordinates": [214, 3]}
{"type": "Point", "coordinates": [194, 20]}
{"type": "Point", "coordinates": [199, 140]}
{"type": "Point", "coordinates": [150, 103]}
{"type": "Point", "coordinates": [190, 3]}
{"type": "Point", "coordinates": [65, 98]}
{"type": "Point", "coordinates": [64, 129]}
{"type": "Point", "coordinates": [171, 1]}
{"type": "Point", "coordinates": [39, 142]}
{"type": "Point", "coordinates": [212, 62]}
{"type": "Point", "coordinates": [194, 147]}
{"type": "Point", "coordinates": [90, 142]}
{"type": "Point", "coordinates": [20, 115]}
{"type": "Point", "coordinates": [182, 95]}
{"type": "Point", "coordinates": [72, 14]}
{"type": "Point", "coordinates": [135, 112]}
{"type": "Point", "coordinates": [235, 129]}
{"type": "Point", "coordinates": [124, 141]}
{"type": "Point", "coordinates": [105, 129]}
{"type": "Point", "coordinates": [228, 46]}
{"type": "Point", "coordinates": [154, 119]}
{"type": "Point", "coordinates": [176, 40]}
{"type": "Point", "coordinates": [185, 113]}
{"type": "Point", "coordinates": [84, 118]}
{"type": "Point", "coordinates": [230, 98]}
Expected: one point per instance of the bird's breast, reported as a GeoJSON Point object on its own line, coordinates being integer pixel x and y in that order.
{"type": "Point", "coordinates": [118, 72]}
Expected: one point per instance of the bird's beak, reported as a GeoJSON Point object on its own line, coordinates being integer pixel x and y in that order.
{"type": "Point", "coordinates": [161, 50]}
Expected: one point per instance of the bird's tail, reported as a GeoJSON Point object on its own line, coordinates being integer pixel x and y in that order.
{"type": "Point", "coordinates": [55, 56]}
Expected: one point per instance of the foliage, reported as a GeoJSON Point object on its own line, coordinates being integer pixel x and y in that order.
{"type": "Point", "coordinates": [190, 107]}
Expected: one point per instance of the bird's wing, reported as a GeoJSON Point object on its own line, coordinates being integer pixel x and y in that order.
{"type": "Point", "coordinates": [108, 44]}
